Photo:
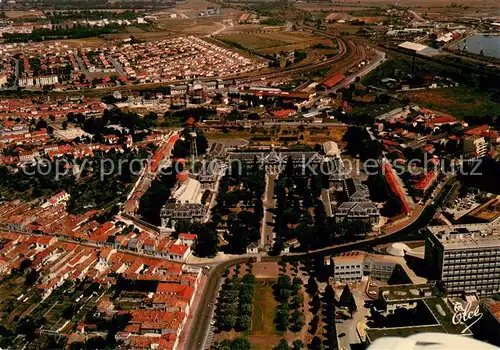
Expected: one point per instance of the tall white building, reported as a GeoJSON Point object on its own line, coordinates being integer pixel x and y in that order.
{"type": "Point", "coordinates": [466, 258]}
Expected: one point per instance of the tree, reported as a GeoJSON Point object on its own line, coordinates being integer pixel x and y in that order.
{"type": "Point", "coordinates": [329, 295]}
{"type": "Point", "coordinates": [314, 325]}
{"type": "Point", "coordinates": [31, 277]}
{"type": "Point", "coordinates": [283, 345]}
{"type": "Point", "coordinates": [347, 300]}
{"type": "Point", "coordinates": [226, 344]}
{"type": "Point", "coordinates": [243, 323]}
{"type": "Point", "coordinates": [282, 315]}
{"type": "Point", "coordinates": [226, 321]}
{"type": "Point", "coordinates": [243, 228]}
{"type": "Point", "coordinates": [312, 286]}
{"type": "Point", "coordinates": [182, 226]}
{"type": "Point", "coordinates": [297, 320]}
{"type": "Point", "coordinates": [207, 242]}
{"type": "Point", "coordinates": [315, 343]}
{"type": "Point", "coordinates": [315, 304]}
{"type": "Point", "coordinates": [298, 344]}
{"type": "Point", "coordinates": [68, 312]}
{"type": "Point", "coordinates": [241, 344]}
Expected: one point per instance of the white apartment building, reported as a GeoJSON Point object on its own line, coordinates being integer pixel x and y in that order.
{"type": "Point", "coordinates": [351, 266]}
{"type": "Point", "coordinates": [466, 258]}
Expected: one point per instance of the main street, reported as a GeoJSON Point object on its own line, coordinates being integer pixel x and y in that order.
{"type": "Point", "coordinates": [201, 321]}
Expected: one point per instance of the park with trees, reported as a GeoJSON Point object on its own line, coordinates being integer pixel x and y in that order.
{"type": "Point", "coordinates": [235, 302]}
{"type": "Point", "coordinates": [239, 208]}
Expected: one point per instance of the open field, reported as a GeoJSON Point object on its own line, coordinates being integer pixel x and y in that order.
{"type": "Point", "coordinates": [459, 102]}
{"type": "Point", "coordinates": [269, 43]}
{"type": "Point", "coordinates": [322, 135]}
{"type": "Point", "coordinates": [24, 14]}
{"type": "Point", "coordinates": [264, 309]}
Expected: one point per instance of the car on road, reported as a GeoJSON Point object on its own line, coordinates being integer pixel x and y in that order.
{"type": "Point", "coordinates": [341, 335]}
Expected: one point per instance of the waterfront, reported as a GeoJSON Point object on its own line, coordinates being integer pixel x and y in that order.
{"type": "Point", "coordinates": [489, 44]}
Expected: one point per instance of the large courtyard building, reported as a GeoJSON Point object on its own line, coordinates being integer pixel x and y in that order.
{"type": "Point", "coordinates": [358, 205]}
{"type": "Point", "coordinates": [274, 161]}
{"type": "Point", "coordinates": [185, 204]}
{"type": "Point", "coordinates": [466, 258]}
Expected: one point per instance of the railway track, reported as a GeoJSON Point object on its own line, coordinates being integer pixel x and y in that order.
{"type": "Point", "coordinates": [350, 53]}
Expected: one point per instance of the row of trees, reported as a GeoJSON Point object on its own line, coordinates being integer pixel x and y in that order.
{"type": "Point", "coordinates": [76, 32]}
{"type": "Point", "coordinates": [239, 343]}
{"type": "Point", "coordinates": [327, 304]}
{"type": "Point", "coordinates": [289, 297]}
{"type": "Point", "coordinates": [234, 304]}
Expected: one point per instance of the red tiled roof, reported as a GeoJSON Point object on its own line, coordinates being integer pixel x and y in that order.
{"type": "Point", "coordinates": [178, 249]}
{"type": "Point", "coordinates": [282, 113]}
{"type": "Point", "coordinates": [395, 188]}
{"type": "Point", "coordinates": [190, 236]}
{"type": "Point", "coordinates": [477, 130]}
{"type": "Point", "coordinates": [426, 181]}
{"type": "Point", "coordinates": [178, 289]}
{"type": "Point", "coordinates": [334, 80]}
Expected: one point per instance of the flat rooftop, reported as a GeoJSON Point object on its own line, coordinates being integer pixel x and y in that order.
{"type": "Point", "coordinates": [375, 333]}
{"type": "Point", "coordinates": [442, 323]}
{"type": "Point", "coordinates": [444, 314]}
{"type": "Point", "coordinates": [402, 292]}
{"type": "Point", "coordinates": [350, 257]}
{"type": "Point", "coordinates": [467, 236]}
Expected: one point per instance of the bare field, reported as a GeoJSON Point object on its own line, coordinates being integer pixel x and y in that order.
{"type": "Point", "coordinates": [320, 135]}
{"type": "Point", "coordinates": [189, 26]}
{"type": "Point", "coordinates": [252, 41]}
{"type": "Point", "coordinates": [24, 14]}
{"type": "Point", "coordinates": [275, 42]}
{"type": "Point", "coordinates": [459, 102]}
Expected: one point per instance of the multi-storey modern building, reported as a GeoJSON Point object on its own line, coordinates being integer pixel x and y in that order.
{"type": "Point", "coordinates": [352, 266]}
{"type": "Point", "coordinates": [466, 258]}
{"type": "Point", "coordinates": [475, 145]}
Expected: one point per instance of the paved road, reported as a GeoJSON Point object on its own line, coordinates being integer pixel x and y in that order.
{"type": "Point", "coordinates": [201, 321]}
{"type": "Point", "coordinates": [349, 326]}
{"type": "Point", "coordinates": [377, 61]}
{"type": "Point", "coordinates": [267, 230]}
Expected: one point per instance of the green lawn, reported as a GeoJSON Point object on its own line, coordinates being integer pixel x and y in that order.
{"type": "Point", "coordinates": [264, 310]}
